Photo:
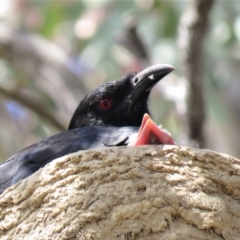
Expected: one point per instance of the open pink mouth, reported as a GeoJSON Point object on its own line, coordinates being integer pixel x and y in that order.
{"type": "Point", "coordinates": [150, 133]}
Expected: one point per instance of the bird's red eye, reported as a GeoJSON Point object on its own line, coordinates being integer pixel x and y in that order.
{"type": "Point", "coordinates": [105, 104]}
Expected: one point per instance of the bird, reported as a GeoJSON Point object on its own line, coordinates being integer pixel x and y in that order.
{"type": "Point", "coordinates": [113, 114]}
{"type": "Point", "coordinates": [121, 102]}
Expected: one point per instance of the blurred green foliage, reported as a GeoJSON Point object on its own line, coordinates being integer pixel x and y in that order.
{"type": "Point", "coordinates": [87, 32]}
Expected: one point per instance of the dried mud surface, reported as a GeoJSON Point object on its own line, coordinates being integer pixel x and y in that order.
{"type": "Point", "coordinates": [149, 192]}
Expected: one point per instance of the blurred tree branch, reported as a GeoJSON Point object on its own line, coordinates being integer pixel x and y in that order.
{"type": "Point", "coordinates": [45, 64]}
{"type": "Point", "coordinates": [130, 39]}
{"type": "Point", "coordinates": [32, 105]}
{"type": "Point", "coordinates": [192, 32]}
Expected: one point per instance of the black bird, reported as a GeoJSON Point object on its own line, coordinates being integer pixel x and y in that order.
{"type": "Point", "coordinates": [108, 116]}
{"type": "Point", "coordinates": [119, 103]}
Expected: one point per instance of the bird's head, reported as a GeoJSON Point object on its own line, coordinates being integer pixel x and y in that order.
{"type": "Point", "coordinates": [119, 103]}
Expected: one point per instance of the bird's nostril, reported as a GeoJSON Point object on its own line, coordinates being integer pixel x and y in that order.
{"type": "Point", "coordinates": [135, 81]}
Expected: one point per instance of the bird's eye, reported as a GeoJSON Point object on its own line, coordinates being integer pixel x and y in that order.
{"type": "Point", "coordinates": [105, 104]}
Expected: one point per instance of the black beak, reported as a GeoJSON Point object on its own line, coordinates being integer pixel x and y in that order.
{"type": "Point", "coordinates": [145, 80]}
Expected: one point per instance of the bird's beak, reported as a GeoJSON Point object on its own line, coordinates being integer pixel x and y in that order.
{"type": "Point", "coordinates": [145, 80]}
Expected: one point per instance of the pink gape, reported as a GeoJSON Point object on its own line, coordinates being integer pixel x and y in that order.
{"type": "Point", "coordinates": [149, 129]}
